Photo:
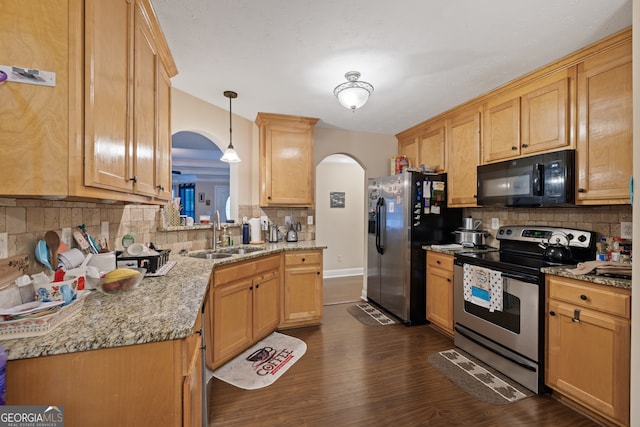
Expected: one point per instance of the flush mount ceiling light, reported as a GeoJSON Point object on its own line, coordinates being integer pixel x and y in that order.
{"type": "Point", "coordinates": [230, 155]}
{"type": "Point", "coordinates": [353, 94]}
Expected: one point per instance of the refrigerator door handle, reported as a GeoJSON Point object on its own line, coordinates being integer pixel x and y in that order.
{"type": "Point", "coordinates": [380, 225]}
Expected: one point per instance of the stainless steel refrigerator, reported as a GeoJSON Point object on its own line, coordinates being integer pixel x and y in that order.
{"type": "Point", "coordinates": [406, 211]}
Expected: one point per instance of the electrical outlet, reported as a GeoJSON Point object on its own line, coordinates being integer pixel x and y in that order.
{"type": "Point", "coordinates": [626, 230]}
{"type": "Point", "coordinates": [287, 220]}
{"type": "Point", "coordinates": [339, 258]}
{"type": "Point", "coordinates": [310, 219]}
{"type": "Point", "coordinates": [4, 249]}
{"type": "Point", "coordinates": [495, 223]}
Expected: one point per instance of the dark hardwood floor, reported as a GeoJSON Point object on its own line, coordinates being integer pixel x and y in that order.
{"type": "Point", "coordinates": [358, 375]}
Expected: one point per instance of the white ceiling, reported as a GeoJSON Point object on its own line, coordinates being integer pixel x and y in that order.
{"type": "Point", "coordinates": [422, 56]}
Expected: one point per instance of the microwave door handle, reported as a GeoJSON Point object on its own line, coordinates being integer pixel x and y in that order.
{"type": "Point", "coordinates": [538, 180]}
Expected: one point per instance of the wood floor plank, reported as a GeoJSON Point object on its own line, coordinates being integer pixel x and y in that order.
{"type": "Point", "coordinates": [360, 375]}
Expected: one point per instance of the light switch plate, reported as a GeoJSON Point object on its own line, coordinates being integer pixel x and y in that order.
{"type": "Point", "coordinates": [495, 223]}
{"type": "Point", "coordinates": [310, 219]}
{"type": "Point", "coordinates": [104, 229]}
{"type": "Point", "coordinates": [4, 250]}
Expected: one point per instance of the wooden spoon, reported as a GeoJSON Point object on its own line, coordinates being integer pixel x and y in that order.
{"type": "Point", "coordinates": [53, 243]}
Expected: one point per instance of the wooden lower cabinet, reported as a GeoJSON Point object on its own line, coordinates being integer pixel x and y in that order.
{"type": "Point", "coordinates": [153, 384]}
{"type": "Point", "coordinates": [245, 307]}
{"type": "Point", "coordinates": [440, 291]}
{"type": "Point", "coordinates": [302, 289]}
{"type": "Point", "coordinates": [589, 346]}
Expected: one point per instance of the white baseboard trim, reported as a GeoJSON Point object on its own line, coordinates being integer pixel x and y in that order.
{"type": "Point", "coordinates": [344, 272]}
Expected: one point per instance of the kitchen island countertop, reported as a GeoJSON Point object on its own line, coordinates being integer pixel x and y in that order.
{"type": "Point", "coordinates": [158, 309]}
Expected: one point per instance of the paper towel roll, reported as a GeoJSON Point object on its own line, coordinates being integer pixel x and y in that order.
{"type": "Point", "coordinates": [254, 225]}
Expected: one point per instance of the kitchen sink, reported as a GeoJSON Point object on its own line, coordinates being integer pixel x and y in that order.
{"type": "Point", "coordinates": [244, 250]}
{"type": "Point", "coordinates": [210, 255]}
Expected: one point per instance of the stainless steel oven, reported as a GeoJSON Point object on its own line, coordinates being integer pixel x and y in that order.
{"type": "Point", "coordinates": [511, 338]}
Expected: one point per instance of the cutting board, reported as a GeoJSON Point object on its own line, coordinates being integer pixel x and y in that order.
{"type": "Point", "coordinates": [12, 268]}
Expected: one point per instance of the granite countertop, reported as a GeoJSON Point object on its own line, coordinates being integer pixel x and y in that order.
{"type": "Point", "coordinates": [593, 278]}
{"type": "Point", "coordinates": [158, 309]}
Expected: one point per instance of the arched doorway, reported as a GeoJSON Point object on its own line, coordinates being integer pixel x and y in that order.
{"type": "Point", "coordinates": [196, 166]}
{"type": "Point", "coordinates": [340, 225]}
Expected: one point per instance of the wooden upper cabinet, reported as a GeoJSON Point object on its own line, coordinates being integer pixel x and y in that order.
{"type": "Point", "coordinates": [501, 130]}
{"type": "Point", "coordinates": [545, 118]}
{"type": "Point", "coordinates": [531, 119]}
{"type": "Point", "coordinates": [463, 141]}
{"type": "Point", "coordinates": [286, 160]}
{"type": "Point", "coordinates": [102, 128]}
{"type": "Point", "coordinates": [409, 146]}
{"type": "Point", "coordinates": [605, 122]}
{"type": "Point", "coordinates": [425, 145]}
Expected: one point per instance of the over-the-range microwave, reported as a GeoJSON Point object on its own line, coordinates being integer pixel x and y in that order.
{"type": "Point", "coordinates": [543, 179]}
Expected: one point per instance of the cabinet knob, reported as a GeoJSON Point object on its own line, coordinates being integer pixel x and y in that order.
{"type": "Point", "coordinates": [303, 259]}
{"type": "Point", "coordinates": [160, 187]}
{"type": "Point", "coordinates": [581, 190]}
{"type": "Point", "coordinates": [134, 179]}
{"type": "Point", "coordinates": [317, 273]}
{"type": "Point", "coordinates": [250, 288]}
{"type": "Point", "coordinates": [514, 148]}
{"type": "Point", "coordinates": [448, 280]}
{"type": "Point", "coordinates": [525, 145]}
{"type": "Point", "coordinates": [552, 313]}
{"type": "Point", "coordinates": [269, 197]}
{"type": "Point", "coordinates": [583, 297]}
{"type": "Point", "coordinates": [257, 286]}
{"type": "Point", "coordinates": [437, 261]}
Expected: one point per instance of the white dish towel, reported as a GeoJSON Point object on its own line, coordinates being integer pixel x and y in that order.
{"type": "Point", "coordinates": [483, 287]}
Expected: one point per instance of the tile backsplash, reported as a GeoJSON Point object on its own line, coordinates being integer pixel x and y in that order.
{"type": "Point", "coordinates": [26, 220]}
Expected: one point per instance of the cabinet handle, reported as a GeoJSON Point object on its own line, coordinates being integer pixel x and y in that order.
{"type": "Point", "coordinates": [448, 280]}
{"type": "Point", "coordinates": [581, 190]}
{"type": "Point", "coordinates": [514, 148]}
{"type": "Point", "coordinates": [160, 187]}
{"type": "Point", "coordinates": [583, 297]}
{"type": "Point", "coordinates": [250, 288]}
{"type": "Point", "coordinates": [303, 260]}
{"type": "Point", "coordinates": [134, 179]}
{"type": "Point", "coordinates": [552, 313]}
{"type": "Point", "coordinates": [525, 145]}
{"type": "Point", "coordinates": [438, 261]}
{"type": "Point", "coordinates": [257, 286]}
{"type": "Point", "coordinates": [269, 197]}
{"type": "Point", "coordinates": [576, 316]}
{"type": "Point", "coordinates": [317, 273]}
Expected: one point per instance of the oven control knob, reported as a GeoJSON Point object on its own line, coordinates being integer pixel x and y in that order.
{"type": "Point", "coordinates": [509, 231]}
{"type": "Point", "coordinates": [501, 232]}
{"type": "Point", "coordinates": [582, 238]}
{"type": "Point", "coordinates": [570, 236]}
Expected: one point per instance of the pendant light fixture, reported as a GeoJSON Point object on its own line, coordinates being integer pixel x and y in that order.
{"type": "Point", "coordinates": [230, 155]}
{"type": "Point", "coordinates": [353, 94]}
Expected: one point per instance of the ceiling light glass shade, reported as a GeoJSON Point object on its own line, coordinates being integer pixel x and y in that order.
{"type": "Point", "coordinates": [230, 155]}
{"type": "Point", "coordinates": [353, 94]}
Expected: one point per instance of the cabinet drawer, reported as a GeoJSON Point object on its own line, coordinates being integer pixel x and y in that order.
{"type": "Point", "coordinates": [597, 297]}
{"type": "Point", "coordinates": [436, 259]}
{"type": "Point", "coordinates": [246, 269]}
{"type": "Point", "coordinates": [302, 258]}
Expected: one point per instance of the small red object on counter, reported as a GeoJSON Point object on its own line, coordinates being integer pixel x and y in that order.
{"type": "Point", "coordinates": [59, 275]}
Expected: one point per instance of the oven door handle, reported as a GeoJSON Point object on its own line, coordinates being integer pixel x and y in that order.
{"type": "Point", "coordinates": [486, 344]}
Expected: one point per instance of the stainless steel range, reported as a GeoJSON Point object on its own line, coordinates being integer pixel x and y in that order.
{"type": "Point", "coordinates": [499, 298]}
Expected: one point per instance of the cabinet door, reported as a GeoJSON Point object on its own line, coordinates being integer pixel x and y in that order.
{"type": "Point", "coordinates": [545, 118]}
{"type": "Point", "coordinates": [605, 124]}
{"type": "Point", "coordinates": [302, 295]}
{"type": "Point", "coordinates": [266, 304]}
{"type": "Point", "coordinates": [146, 64]}
{"type": "Point", "coordinates": [232, 319]}
{"type": "Point", "coordinates": [588, 358]}
{"type": "Point", "coordinates": [501, 138]}
{"type": "Point", "coordinates": [463, 141]}
{"type": "Point", "coordinates": [432, 149]}
{"type": "Point", "coordinates": [163, 149]}
{"type": "Point", "coordinates": [286, 160]}
{"type": "Point", "coordinates": [108, 94]}
{"type": "Point", "coordinates": [440, 291]}
{"type": "Point", "coordinates": [192, 388]}
{"type": "Point", "coordinates": [410, 148]}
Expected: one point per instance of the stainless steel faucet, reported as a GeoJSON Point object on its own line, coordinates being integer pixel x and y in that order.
{"type": "Point", "coordinates": [216, 226]}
